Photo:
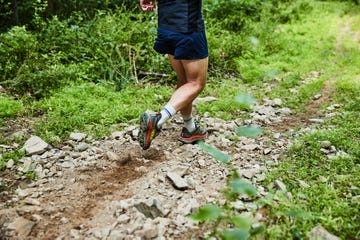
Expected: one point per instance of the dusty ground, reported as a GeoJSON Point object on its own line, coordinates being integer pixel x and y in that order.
{"type": "Point", "coordinates": [78, 199]}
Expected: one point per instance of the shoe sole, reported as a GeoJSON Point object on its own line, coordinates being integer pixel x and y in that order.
{"type": "Point", "coordinates": [145, 131]}
{"type": "Point", "coordinates": [193, 138]}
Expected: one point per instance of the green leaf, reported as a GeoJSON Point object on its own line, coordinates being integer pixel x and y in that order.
{"type": "Point", "coordinates": [242, 187]}
{"type": "Point", "coordinates": [241, 222]}
{"type": "Point", "coordinates": [257, 229]}
{"type": "Point", "coordinates": [217, 154]}
{"type": "Point", "coordinates": [272, 73]}
{"type": "Point", "coordinates": [235, 234]}
{"type": "Point", "coordinates": [248, 131]}
{"type": "Point", "coordinates": [245, 99]}
{"type": "Point", "coordinates": [296, 213]}
{"type": "Point", "coordinates": [255, 41]}
{"type": "Point", "coordinates": [207, 213]}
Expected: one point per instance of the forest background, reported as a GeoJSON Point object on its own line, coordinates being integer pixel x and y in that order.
{"type": "Point", "coordinates": [64, 65]}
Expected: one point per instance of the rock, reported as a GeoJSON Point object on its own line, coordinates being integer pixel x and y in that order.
{"type": "Point", "coordinates": [77, 136]}
{"type": "Point", "coordinates": [304, 184]}
{"type": "Point", "coordinates": [116, 235]}
{"type": "Point", "coordinates": [36, 218]}
{"type": "Point", "coordinates": [32, 201]}
{"type": "Point", "coordinates": [150, 208]}
{"type": "Point", "coordinates": [320, 233]}
{"type": "Point", "coordinates": [75, 234]}
{"type": "Point", "coordinates": [260, 177]}
{"type": "Point", "coordinates": [280, 185]}
{"type": "Point", "coordinates": [180, 170]}
{"type": "Point", "coordinates": [284, 111]}
{"type": "Point", "coordinates": [6, 217]}
{"type": "Point", "coordinates": [277, 135]}
{"type": "Point", "coordinates": [22, 193]}
{"type": "Point", "coordinates": [250, 147]}
{"type": "Point", "coordinates": [123, 218]}
{"type": "Point", "coordinates": [316, 120]}
{"type": "Point", "coordinates": [35, 145]}
{"type": "Point", "coordinates": [149, 231]}
{"type": "Point", "coordinates": [204, 99]}
{"type": "Point", "coordinates": [100, 233]}
{"type": "Point", "coordinates": [177, 181]}
{"type": "Point", "coordinates": [112, 156]}
{"type": "Point", "coordinates": [266, 151]}
{"type": "Point", "coordinates": [276, 102]}
{"type": "Point", "coordinates": [26, 166]}
{"type": "Point", "coordinates": [9, 164]}
{"type": "Point", "coordinates": [333, 107]}
{"type": "Point", "coordinates": [117, 135]}
{"type": "Point", "coordinates": [238, 205]}
{"type": "Point", "coordinates": [22, 227]}
{"type": "Point", "coordinates": [2, 90]}
{"type": "Point", "coordinates": [81, 147]}
{"type": "Point", "coordinates": [67, 164]}
{"type": "Point", "coordinates": [248, 173]}
{"type": "Point", "coordinates": [317, 96]}
{"type": "Point", "coordinates": [64, 220]}
{"type": "Point", "coordinates": [325, 144]}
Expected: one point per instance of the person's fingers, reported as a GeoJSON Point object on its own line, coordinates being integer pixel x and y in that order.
{"type": "Point", "coordinates": [147, 8]}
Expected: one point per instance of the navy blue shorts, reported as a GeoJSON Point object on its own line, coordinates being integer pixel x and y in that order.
{"type": "Point", "coordinates": [184, 46]}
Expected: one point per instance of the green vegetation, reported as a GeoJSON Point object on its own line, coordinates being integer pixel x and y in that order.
{"type": "Point", "coordinates": [10, 108]}
{"type": "Point", "coordinates": [332, 198]}
{"type": "Point", "coordinates": [224, 221]}
{"type": "Point", "coordinates": [95, 108]}
{"type": "Point", "coordinates": [85, 72]}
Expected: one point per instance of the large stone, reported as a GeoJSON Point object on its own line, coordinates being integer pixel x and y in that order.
{"type": "Point", "coordinates": [77, 136]}
{"type": "Point", "coordinates": [6, 217]}
{"type": "Point", "coordinates": [320, 233]}
{"type": "Point", "coordinates": [177, 181]}
{"type": "Point", "coordinates": [151, 208]}
{"type": "Point", "coordinates": [35, 145]}
{"type": "Point", "coordinates": [22, 227]}
{"type": "Point", "coordinates": [149, 231]}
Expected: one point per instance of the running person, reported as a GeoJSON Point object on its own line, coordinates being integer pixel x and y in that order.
{"type": "Point", "coordinates": [180, 35]}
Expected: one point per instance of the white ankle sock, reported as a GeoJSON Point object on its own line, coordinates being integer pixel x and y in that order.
{"type": "Point", "coordinates": [167, 112]}
{"type": "Point", "coordinates": [189, 123]}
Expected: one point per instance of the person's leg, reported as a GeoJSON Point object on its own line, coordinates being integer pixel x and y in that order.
{"type": "Point", "coordinates": [186, 112]}
{"type": "Point", "coordinates": [190, 86]}
{"type": "Point", "coordinates": [181, 80]}
{"type": "Point", "coordinates": [191, 82]}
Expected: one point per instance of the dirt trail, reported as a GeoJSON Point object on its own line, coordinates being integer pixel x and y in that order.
{"type": "Point", "coordinates": [78, 200]}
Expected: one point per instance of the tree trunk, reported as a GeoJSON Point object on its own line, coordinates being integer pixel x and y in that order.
{"type": "Point", "coordinates": [50, 8]}
{"type": "Point", "coordinates": [15, 12]}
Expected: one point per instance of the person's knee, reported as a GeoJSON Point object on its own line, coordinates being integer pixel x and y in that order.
{"type": "Point", "coordinates": [198, 85]}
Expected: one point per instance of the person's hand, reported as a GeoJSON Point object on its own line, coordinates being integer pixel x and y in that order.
{"type": "Point", "coordinates": [147, 5]}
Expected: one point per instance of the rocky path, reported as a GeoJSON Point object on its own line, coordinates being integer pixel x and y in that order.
{"type": "Point", "coordinates": [112, 189]}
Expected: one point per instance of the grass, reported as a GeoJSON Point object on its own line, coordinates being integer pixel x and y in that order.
{"type": "Point", "coordinates": [10, 155]}
{"type": "Point", "coordinates": [10, 108]}
{"type": "Point", "coordinates": [304, 46]}
{"type": "Point", "coordinates": [94, 108]}
{"type": "Point", "coordinates": [332, 198]}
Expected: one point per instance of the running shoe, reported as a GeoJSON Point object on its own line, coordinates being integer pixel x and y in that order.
{"type": "Point", "coordinates": [148, 128]}
{"type": "Point", "coordinates": [190, 137]}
